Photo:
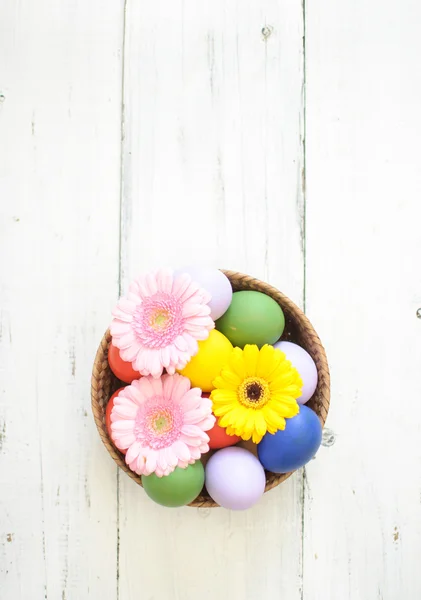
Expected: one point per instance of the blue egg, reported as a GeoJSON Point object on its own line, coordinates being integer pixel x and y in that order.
{"type": "Point", "coordinates": [293, 447]}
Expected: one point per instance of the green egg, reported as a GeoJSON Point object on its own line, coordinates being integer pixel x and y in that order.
{"type": "Point", "coordinates": [252, 318]}
{"type": "Point", "coordinates": [178, 488]}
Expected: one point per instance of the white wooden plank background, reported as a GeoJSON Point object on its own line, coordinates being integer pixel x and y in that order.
{"type": "Point", "coordinates": [136, 134]}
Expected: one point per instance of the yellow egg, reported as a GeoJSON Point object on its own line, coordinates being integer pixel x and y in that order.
{"type": "Point", "coordinates": [207, 364]}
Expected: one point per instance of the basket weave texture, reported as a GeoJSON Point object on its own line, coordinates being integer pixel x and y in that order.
{"type": "Point", "coordinates": [298, 329]}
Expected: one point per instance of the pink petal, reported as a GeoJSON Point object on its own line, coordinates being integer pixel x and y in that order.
{"type": "Point", "coordinates": [123, 425]}
{"type": "Point", "coordinates": [181, 450]}
{"type": "Point", "coordinates": [207, 423]}
{"type": "Point", "coordinates": [196, 416]}
{"type": "Point", "coordinates": [164, 280]}
{"type": "Point", "coordinates": [192, 345]}
{"type": "Point", "coordinates": [191, 441]}
{"type": "Point", "coordinates": [181, 284]}
{"type": "Point", "coordinates": [199, 334]}
{"type": "Point", "coordinates": [195, 453]}
{"type": "Point", "coordinates": [142, 288]}
{"type": "Point", "coordinates": [162, 462]}
{"type": "Point", "coordinates": [153, 363]}
{"type": "Point", "coordinates": [135, 299]}
{"type": "Point", "coordinates": [156, 386]}
{"type": "Point", "coordinates": [150, 282]}
{"type": "Point", "coordinates": [191, 292]}
{"type": "Point", "coordinates": [183, 359]}
{"type": "Point", "coordinates": [123, 441]}
{"type": "Point", "coordinates": [171, 457]}
{"type": "Point", "coordinates": [127, 340]}
{"type": "Point", "coordinates": [193, 309]}
{"type": "Point", "coordinates": [133, 452]}
{"type": "Point", "coordinates": [140, 464]}
{"type": "Point", "coordinates": [130, 354]}
{"type": "Point", "coordinates": [120, 315]}
{"type": "Point", "coordinates": [181, 387]}
{"type": "Point", "coordinates": [133, 392]}
{"type": "Point", "coordinates": [128, 410]}
{"type": "Point", "coordinates": [207, 297]}
{"type": "Point", "coordinates": [126, 306]}
{"type": "Point", "coordinates": [168, 385]}
{"type": "Point", "coordinates": [190, 399]}
{"type": "Point", "coordinates": [181, 343]}
{"type": "Point", "coordinates": [119, 328]}
{"type": "Point", "coordinates": [193, 431]}
{"type": "Point", "coordinates": [146, 387]}
{"type": "Point", "coordinates": [165, 356]}
{"type": "Point", "coordinates": [132, 464]}
{"type": "Point", "coordinates": [151, 461]}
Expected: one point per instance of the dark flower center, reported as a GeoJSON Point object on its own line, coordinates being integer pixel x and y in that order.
{"type": "Point", "coordinates": [254, 391]}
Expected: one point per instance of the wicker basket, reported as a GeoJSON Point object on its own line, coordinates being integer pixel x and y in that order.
{"type": "Point", "coordinates": [297, 329]}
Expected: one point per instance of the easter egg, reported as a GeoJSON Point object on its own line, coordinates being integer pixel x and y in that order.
{"type": "Point", "coordinates": [108, 415]}
{"type": "Point", "coordinates": [293, 447]}
{"type": "Point", "coordinates": [121, 369]}
{"type": "Point", "coordinates": [252, 318]}
{"type": "Point", "coordinates": [305, 365]}
{"type": "Point", "coordinates": [218, 437]}
{"type": "Point", "coordinates": [235, 479]}
{"type": "Point", "coordinates": [178, 488]}
{"type": "Point", "coordinates": [214, 282]}
{"type": "Point", "coordinates": [213, 354]}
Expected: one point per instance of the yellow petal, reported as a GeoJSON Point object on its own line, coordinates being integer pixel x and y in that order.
{"type": "Point", "coordinates": [226, 420]}
{"type": "Point", "coordinates": [237, 363]}
{"type": "Point", "coordinates": [274, 420]}
{"type": "Point", "coordinates": [267, 362]}
{"type": "Point", "coordinates": [230, 379]}
{"type": "Point", "coordinates": [260, 423]}
{"type": "Point", "coordinates": [251, 357]}
{"type": "Point", "coordinates": [249, 425]}
{"type": "Point", "coordinates": [223, 396]}
{"type": "Point", "coordinates": [286, 407]}
{"type": "Point", "coordinates": [241, 417]}
{"type": "Point", "coordinates": [278, 383]}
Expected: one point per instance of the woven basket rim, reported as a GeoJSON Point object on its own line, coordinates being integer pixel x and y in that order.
{"type": "Point", "coordinates": [104, 383]}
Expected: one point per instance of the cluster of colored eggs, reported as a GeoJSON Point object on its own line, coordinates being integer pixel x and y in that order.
{"type": "Point", "coordinates": [234, 477]}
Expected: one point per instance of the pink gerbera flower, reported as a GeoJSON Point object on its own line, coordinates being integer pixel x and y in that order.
{"type": "Point", "coordinates": [161, 423]}
{"type": "Point", "coordinates": [160, 322]}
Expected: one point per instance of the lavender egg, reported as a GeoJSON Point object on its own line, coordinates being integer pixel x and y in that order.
{"type": "Point", "coordinates": [302, 361]}
{"type": "Point", "coordinates": [216, 283]}
{"type": "Point", "coordinates": [234, 478]}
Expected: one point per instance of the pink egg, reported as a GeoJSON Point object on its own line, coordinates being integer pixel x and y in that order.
{"type": "Point", "coordinates": [234, 478]}
{"type": "Point", "coordinates": [216, 283]}
{"type": "Point", "coordinates": [304, 364]}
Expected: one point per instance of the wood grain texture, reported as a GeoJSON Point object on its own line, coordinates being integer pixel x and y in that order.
{"type": "Point", "coordinates": [212, 173]}
{"type": "Point", "coordinates": [60, 114]}
{"type": "Point", "coordinates": [363, 503]}
{"type": "Point", "coordinates": [209, 99]}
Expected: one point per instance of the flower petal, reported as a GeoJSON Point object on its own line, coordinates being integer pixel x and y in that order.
{"type": "Point", "coordinates": [251, 358]}
{"type": "Point", "coordinates": [133, 452]}
{"type": "Point", "coordinates": [236, 363]}
{"type": "Point", "coordinates": [164, 279]}
{"type": "Point", "coordinates": [181, 450]}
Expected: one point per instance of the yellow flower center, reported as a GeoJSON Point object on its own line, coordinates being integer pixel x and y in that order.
{"type": "Point", "coordinates": [159, 319]}
{"type": "Point", "coordinates": [254, 392]}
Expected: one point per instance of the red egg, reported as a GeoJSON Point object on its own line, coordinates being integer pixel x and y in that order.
{"type": "Point", "coordinates": [218, 437]}
{"type": "Point", "coordinates": [121, 369]}
{"type": "Point", "coordinates": [108, 415]}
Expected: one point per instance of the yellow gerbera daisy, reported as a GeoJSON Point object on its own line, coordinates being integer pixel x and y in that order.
{"type": "Point", "coordinates": [256, 392]}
